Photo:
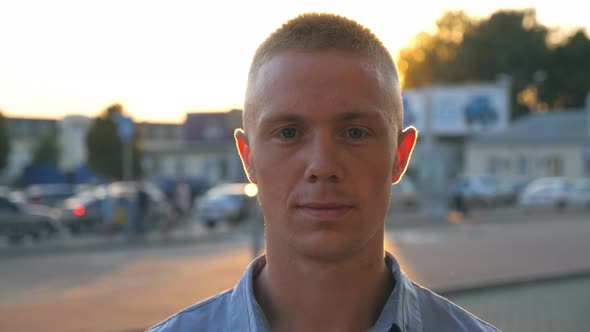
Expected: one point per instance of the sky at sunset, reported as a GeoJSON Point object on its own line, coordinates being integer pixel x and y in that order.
{"type": "Point", "coordinates": [162, 59]}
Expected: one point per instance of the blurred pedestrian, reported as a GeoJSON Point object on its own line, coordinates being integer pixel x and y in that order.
{"type": "Point", "coordinates": [142, 208]}
{"type": "Point", "coordinates": [182, 198]}
{"type": "Point", "coordinates": [323, 141]}
{"type": "Point", "coordinates": [107, 207]}
{"type": "Point", "coordinates": [459, 205]}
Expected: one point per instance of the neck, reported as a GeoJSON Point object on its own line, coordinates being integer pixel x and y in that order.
{"type": "Point", "coordinates": [343, 295]}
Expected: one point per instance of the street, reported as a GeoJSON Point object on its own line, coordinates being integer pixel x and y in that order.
{"type": "Point", "coordinates": [484, 267]}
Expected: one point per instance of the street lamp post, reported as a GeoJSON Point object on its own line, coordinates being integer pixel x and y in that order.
{"type": "Point", "coordinates": [126, 130]}
{"type": "Point", "coordinates": [433, 171]}
{"type": "Point", "coordinates": [255, 219]}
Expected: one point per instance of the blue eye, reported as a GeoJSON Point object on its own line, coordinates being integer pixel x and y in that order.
{"type": "Point", "coordinates": [288, 133]}
{"type": "Point", "coordinates": [356, 133]}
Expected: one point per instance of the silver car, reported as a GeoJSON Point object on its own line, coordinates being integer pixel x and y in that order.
{"type": "Point", "coordinates": [224, 202]}
{"type": "Point", "coordinates": [556, 192]}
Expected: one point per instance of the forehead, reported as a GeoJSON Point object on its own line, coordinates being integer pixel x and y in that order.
{"type": "Point", "coordinates": [329, 81]}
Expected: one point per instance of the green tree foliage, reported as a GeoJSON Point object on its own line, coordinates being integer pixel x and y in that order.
{"type": "Point", "coordinates": [46, 150]}
{"type": "Point", "coordinates": [4, 142]}
{"type": "Point", "coordinates": [105, 148]}
{"type": "Point", "coordinates": [464, 49]}
{"type": "Point", "coordinates": [568, 75]}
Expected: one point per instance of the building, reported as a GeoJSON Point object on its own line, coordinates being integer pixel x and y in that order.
{"type": "Point", "coordinates": [25, 134]}
{"type": "Point", "coordinates": [202, 146]}
{"type": "Point", "coordinates": [556, 143]}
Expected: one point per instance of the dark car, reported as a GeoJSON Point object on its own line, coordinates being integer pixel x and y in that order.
{"type": "Point", "coordinates": [49, 194]}
{"type": "Point", "coordinates": [19, 220]}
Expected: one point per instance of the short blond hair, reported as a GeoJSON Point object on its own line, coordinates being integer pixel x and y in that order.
{"type": "Point", "coordinates": [324, 31]}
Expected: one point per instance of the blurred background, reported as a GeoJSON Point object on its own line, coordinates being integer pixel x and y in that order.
{"type": "Point", "coordinates": [123, 200]}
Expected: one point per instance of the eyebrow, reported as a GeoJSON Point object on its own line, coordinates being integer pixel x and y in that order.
{"type": "Point", "coordinates": [280, 117]}
{"type": "Point", "coordinates": [294, 117]}
{"type": "Point", "coordinates": [356, 115]}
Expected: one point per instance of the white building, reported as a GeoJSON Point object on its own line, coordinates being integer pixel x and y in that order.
{"type": "Point", "coordinates": [72, 141]}
{"type": "Point", "coordinates": [538, 145]}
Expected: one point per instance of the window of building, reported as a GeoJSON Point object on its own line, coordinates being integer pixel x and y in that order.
{"type": "Point", "coordinates": [586, 161]}
{"type": "Point", "coordinates": [506, 166]}
{"type": "Point", "coordinates": [39, 127]}
{"type": "Point", "coordinates": [494, 165]}
{"type": "Point", "coordinates": [16, 128]}
{"type": "Point", "coordinates": [152, 131]}
{"type": "Point", "coordinates": [171, 132]}
{"type": "Point", "coordinates": [161, 132]}
{"type": "Point", "coordinates": [180, 166]}
{"type": "Point", "coordinates": [555, 166]}
{"type": "Point", "coordinates": [522, 165]}
{"type": "Point", "coordinates": [22, 128]}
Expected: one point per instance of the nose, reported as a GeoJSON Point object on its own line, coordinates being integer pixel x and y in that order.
{"type": "Point", "coordinates": [323, 164]}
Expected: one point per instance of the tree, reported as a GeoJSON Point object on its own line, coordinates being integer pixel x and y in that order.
{"type": "Point", "coordinates": [568, 80]}
{"type": "Point", "coordinates": [425, 61]}
{"type": "Point", "coordinates": [105, 147]}
{"type": "Point", "coordinates": [4, 141]}
{"type": "Point", "coordinates": [511, 42]}
{"type": "Point", "coordinates": [47, 151]}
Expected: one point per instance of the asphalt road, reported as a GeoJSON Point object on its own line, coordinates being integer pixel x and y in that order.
{"type": "Point", "coordinates": [133, 287]}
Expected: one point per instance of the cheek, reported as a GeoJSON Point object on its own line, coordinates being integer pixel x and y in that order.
{"type": "Point", "coordinates": [276, 178]}
{"type": "Point", "coordinates": [373, 179]}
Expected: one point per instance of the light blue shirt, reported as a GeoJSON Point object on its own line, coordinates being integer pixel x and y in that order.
{"type": "Point", "coordinates": [408, 308]}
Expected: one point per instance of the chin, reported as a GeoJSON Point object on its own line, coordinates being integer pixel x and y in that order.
{"type": "Point", "coordinates": [328, 248]}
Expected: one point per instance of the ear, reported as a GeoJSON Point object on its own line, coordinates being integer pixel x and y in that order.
{"type": "Point", "coordinates": [405, 147]}
{"type": "Point", "coordinates": [244, 151]}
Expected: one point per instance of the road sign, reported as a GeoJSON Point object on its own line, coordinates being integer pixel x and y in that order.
{"type": "Point", "coordinates": [125, 128]}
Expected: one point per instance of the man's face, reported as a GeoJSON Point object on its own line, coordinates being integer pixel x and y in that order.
{"type": "Point", "coordinates": [322, 150]}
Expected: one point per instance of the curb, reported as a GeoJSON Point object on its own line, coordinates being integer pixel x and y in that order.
{"type": "Point", "coordinates": [121, 243]}
{"type": "Point", "coordinates": [513, 283]}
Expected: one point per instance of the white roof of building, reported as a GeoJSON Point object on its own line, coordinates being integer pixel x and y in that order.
{"type": "Point", "coordinates": [554, 127]}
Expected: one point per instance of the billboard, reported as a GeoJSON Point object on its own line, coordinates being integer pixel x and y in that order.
{"type": "Point", "coordinates": [457, 110]}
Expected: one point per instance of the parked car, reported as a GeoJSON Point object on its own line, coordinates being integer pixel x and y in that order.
{"type": "Point", "coordinates": [476, 190]}
{"type": "Point", "coordinates": [198, 185]}
{"type": "Point", "coordinates": [83, 212]}
{"type": "Point", "coordinates": [553, 192]}
{"type": "Point", "coordinates": [18, 220]}
{"type": "Point", "coordinates": [49, 194]}
{"type": "Point", "coordinates": [507, 192]}
{"type": "Point", "coordinates": [579, 194]}
{"type": "Point", "coordinates": [404, 194]}
{"type": "Point", "coordinates": [224, 202]}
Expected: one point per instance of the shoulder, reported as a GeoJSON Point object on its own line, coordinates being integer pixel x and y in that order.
{"type": "Point", "coordinates": [207, 315]}
{"type": "Point", "coordinates": [440, 314]}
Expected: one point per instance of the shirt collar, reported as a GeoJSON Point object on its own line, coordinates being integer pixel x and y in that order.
{"type": "Point", "coordinates": [245, 309]}
{"type": "Point", "coordinates": [401, 308]}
